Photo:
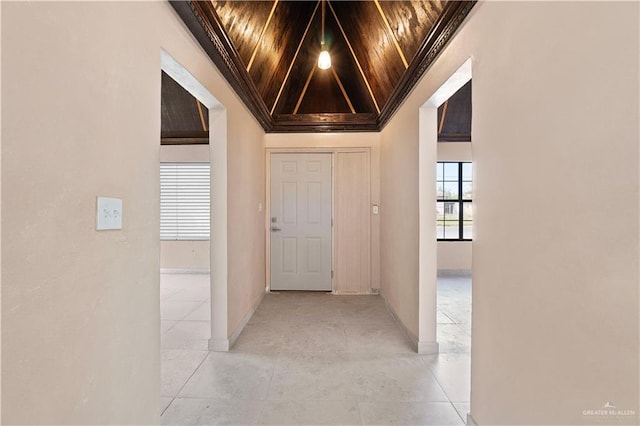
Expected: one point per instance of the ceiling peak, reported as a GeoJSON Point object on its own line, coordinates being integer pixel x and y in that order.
{"type": "Point", "coordinates": [268, 51]}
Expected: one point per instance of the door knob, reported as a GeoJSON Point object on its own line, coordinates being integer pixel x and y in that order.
{"type": "Point", "coordinates": [275, 229]}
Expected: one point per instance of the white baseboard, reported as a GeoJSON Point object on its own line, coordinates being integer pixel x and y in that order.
{"type": "Point", "coordinates": [423, 348]}
{"type": "Point", "coordinates": [224, 345]}
{"type": "Point", "coordinates": [471, 421]}
{"type": "Point", "coordinates": [184, 271]}
{"type": "Point", "coordinates": [219, 345]}
{"type": "Point", "coordinates": [454, 273]}
{"type": "Point", "coordinates": [428, 348]}
{"type": "Point", "coordinates": [413, 339]}
{"type": "Point", "coordinates": [245, 320]}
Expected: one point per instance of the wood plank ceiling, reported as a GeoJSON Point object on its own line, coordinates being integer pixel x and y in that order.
{"type": "Point", "coordinates": [268, 51]}
{"type": "Point", "coordinates": [183, 119]}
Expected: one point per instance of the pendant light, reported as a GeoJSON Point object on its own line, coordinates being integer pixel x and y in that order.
{"type": "Point", "coordinates": [324, 60]}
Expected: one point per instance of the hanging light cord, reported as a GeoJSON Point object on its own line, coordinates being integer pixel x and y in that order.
{"type": "Point", "coordinates": [322, 2]}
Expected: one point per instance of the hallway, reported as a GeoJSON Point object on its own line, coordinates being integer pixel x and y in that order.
{"type": "Point", "coordinates": [311, 358]}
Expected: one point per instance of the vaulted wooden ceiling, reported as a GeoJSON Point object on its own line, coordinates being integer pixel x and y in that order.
{"type": "Point", "coordinates": [268, 51]}
{"type": "Point", "coordinates": [183, 119]}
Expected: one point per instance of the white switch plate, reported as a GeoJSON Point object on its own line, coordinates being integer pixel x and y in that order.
{"type": "Point", "coordinates": [109, 214]}
{"type": "Point", "coordinates": [375, 209]}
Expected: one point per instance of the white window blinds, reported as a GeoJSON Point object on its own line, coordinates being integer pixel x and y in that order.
{"type": "Point", "coordinates": [184, 201]}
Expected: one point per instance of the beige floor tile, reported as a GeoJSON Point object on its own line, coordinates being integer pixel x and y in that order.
{"type": "Point", "coordinates": [312, 358]}
{"type": "Point", "coordinates": [453, 372]}
{"type": "Point", "coordinates": [310, 413]}
{"type": "Point", "coordinates": [192, 294]}
{"type": "Point", "coordinates": [232, 375]}
{"type": "Point", "coordinates": [328, 413]}
{"type": "Point", "coordinates": [281, 413]}
{"type": "Point", "coordinates": [394, 377]}
{"type": "Point", "coordinates": [312, 376]}
{"type": "Point", "coordinates": [176, 368]}
{"type": "Point", "coordinates": [175, 310]}
{"type": "Point", "coordinates": [373, 313]}
{"type": "Point", "coordinates": [192, 335]}
{"type": "Point", "coordinates": [374, 338]}
{"type": "Point", "coordinates": [263, 337]}
{"type": "Point", "coordinates": [164, 403]}
{"type": "Point", "coordinates": [315, 337]}
{"type": "Point", "coordinates": [409, 413]}
{"type": "Point", "coordinates": [165, 325]}
{"type": "Point", "coordinates": [195, 411]}
{"type": "Point", "coordinates": [452, 338]}
{"type": "Point", "coordinates": [203, 313]}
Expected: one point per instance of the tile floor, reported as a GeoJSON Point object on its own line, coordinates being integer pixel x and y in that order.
{"type": "Point", "coordinates": [312, 358]}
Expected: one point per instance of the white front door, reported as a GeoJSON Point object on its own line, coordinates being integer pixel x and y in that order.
{"type": "Point", "coordinates": [300, 222]}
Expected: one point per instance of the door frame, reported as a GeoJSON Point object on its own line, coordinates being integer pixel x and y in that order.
{"type": "Point", "coordinates": [267, 224]}
{"type": "Point", "coordinates": [219, 339]}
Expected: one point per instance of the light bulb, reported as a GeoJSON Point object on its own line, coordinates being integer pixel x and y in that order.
{"type": "Point", "coordinates": [324, 60]}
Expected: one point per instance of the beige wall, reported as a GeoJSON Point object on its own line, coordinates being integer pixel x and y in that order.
{"type": "Point", "coordinates": [555, 303]}
{"type": "Point", "coordinates": [246, 240]}
{"type": "Point", "coordinates": [0, 225]}
{"type": "Point", "coordinates": [454, 255]}
{"type": "Point", "coordinates": [80, 317]}
{"type": "Point", "coordinates": [184, 153]}
{"type": "Point", "coordinates": [399, 229]}
{"type": "Point", "coordinates": [185, 255]}
{"type": "Point", "coordinates": [336, 141]}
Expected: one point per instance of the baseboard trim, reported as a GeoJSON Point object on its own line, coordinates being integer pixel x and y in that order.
{"type": "Point", "coordinates": [471, 421]}
{"type": "Point", "coordinates": [224, 345]}
{"type": "Point", "coordinates": [245, 320]}
{"type": "Point", "coordinates": [454, 273]}
{"type": "Point", "coordinates": [184, 271]}
{"type": "Point", "coordinates": [423, 348]}
{"type": "Point", "coordinates": [413, 339]}
{"type": "Point", "coordinates": [219, 345]}
{"type": "Point", "coordinates": [428, 348]}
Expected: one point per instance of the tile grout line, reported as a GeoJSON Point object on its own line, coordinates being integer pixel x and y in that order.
{"type": "Point", "coordinates": [266, 396]}
{"type": "Point", "coordinates": [442, 388]}
{"type": "Point", "coordinates": [185, 383]}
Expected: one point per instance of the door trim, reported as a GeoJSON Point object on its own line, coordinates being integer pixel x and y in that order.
{"type": "Point", "coordinates": [267, 216]}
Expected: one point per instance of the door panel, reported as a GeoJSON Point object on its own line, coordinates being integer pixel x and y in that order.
{"type": "Point", "coordinates": [353, 223]}
{"type": "Point", "coordinates": [301, 222]}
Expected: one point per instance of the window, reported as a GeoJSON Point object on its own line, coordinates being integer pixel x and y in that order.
{"type": "Point", "coordinates": [184, 201]}
{"type": "Point", "coordinates": [454, 192]}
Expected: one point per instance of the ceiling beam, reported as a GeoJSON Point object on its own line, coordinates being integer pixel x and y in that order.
{"type": "Point", "coordinates": [346, 39]}
{"type": "Point", "coordinates": [286, 77]}
{"type": "Point", "coordinates": [201, 114]}
{"type": "Point", "coordinates": [264, 29]}
{"type": "Point", "coordinates": [444, 115]}
{"type": "Point", "coordinates": [304, 89]}
{"type": "Point", "coordinates": [392, 34]}
{"type": "Point", "coordinates": [344, 93]}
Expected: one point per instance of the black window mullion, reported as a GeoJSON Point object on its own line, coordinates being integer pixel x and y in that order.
{"type": "Point", "coordinates": [459, 200]}
{"type": "Point", "coordinates": [460, 205]}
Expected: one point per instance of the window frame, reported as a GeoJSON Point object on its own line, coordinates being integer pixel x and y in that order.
{"type": "Point", "coordinates": [460, 201]}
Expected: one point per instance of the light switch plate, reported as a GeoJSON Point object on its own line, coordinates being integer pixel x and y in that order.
{"type": "Point", "coordinates": [109, 214]}
{"type": "Point", "coordinates": [375, 209]}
